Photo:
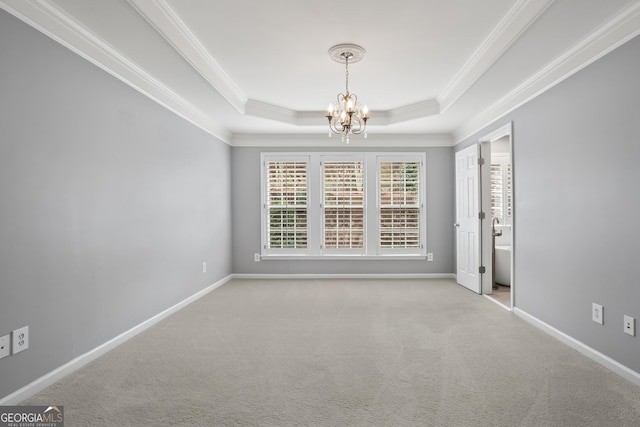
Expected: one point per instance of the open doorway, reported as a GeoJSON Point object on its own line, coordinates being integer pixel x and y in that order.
{"type": "Point", "coordinates": [497, 201]}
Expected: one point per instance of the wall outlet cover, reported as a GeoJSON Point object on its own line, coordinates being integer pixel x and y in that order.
{"type": "Point", "coordinates": [630, 325]}
{"type": "Point", "coordinates": [20, 340]}
{"type": "Point", "coordinates": [597, 313]}
{"type": "Point", "coordinates": [5, 346]}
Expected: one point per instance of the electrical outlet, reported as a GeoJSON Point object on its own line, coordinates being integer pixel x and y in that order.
{"type": "Point", "coordinates": [597, 313]}
{"type": "Point", "coordinates": [20, 340]}
{"type": "Point", "coordinates": [256, 257]}
{"type": "Point", "coordinates": [4, 346]}
{"type": "Point", "coordinates": [204, 267]}
{"type": "Point", "coordinates": [429, 256]}
{"type": "Point", "coordinates": [629, 325]}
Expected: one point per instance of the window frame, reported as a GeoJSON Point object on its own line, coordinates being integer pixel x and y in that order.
{"type": "Point", "coordinates": [265, 211]}
{"type": "Point", "coordinates": [344, 159]}
{"type": "Point", "coordinates": [420, 205]}
{"type": "Point", "coordinates": [372, 248]}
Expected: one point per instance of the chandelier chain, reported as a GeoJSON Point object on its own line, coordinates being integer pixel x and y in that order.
{"type": "Point", "coordinates": [346, 73]}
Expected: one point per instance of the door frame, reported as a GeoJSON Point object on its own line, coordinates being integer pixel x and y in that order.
{"type": "Point", "coordinates": [485, 203]}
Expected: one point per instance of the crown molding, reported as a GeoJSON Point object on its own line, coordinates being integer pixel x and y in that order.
{"type": "Point", "coordinates": [270, 111]}
{"type": "Point", "coordinates": [168, 23]}
{"type": "Point", "coordinates": [48, 18]}
{"type": "Point", "coordinates": [511, 26]}
{"type": "Point", "coordinates": [265, 110]}
{"type": "Point", "coordinates": [322, 140]}
{"type": "Point", "coordinates": [429, 107]}
{"type": "Point", "coordinates": [604, 39]}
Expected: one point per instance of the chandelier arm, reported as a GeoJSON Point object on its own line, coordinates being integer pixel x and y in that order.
{"type": "Point", "coordinates": [359, 126]}
{"type": "Point", "coordinates": [334, 128]}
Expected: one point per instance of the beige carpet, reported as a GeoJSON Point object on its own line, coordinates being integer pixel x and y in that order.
{"type": "Point", "coordinates": [344, 353]}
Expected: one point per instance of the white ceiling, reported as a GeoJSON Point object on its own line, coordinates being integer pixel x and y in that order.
{"type": "Point", "coordinates": [257, 72]}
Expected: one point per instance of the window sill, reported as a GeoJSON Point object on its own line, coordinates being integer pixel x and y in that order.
{"type": "Point", "coordinates": [345, 257]}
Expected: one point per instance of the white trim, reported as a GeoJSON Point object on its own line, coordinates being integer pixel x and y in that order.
{"type": "Point", "coordinates": [595, 355]}
{"type": "Point", "coordinates": [426, 108]}
{"type": "Point", "coordinates": [279, 114]}
{"type": "Point", "coordinates": [265, 110]}
{"type": "Point", "coordinates": [321, 139]}
{"type": "Point", "coordinates": [50, 19]}
{"type": "Point", "coordinates": [82, 360]}
{"type": "Point", "coordinates": [509, 29]}
{"type": "Point", "coordinates": [266, 207]}
{"type": "Point", "coordinates": [487, 253]}
{"type": "Point", "coordinates": [168, 23]}
{"type": "Point", "coordinates": [609, 36]}
{"type": "Point", "coordinates": [502, 131]}
{"type": "Point", "coordinates": [343, 257]}
{"type": "Point", "coordinates": [344, 276]}
{"type": "Point", "coordinates": [53, 21]}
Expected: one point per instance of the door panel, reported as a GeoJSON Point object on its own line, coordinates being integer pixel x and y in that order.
{"type": "Point", "coordinates": [467, 219]}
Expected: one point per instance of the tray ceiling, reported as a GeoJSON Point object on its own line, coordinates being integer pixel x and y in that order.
{"type": "Point", "coordinates": [254, 72]}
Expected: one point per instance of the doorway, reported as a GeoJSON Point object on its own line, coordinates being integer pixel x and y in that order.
{"type": "Point", "coordinates": [498, 229]}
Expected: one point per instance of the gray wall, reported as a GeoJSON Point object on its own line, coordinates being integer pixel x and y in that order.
{"type": "Point", "coordinates": [576, 151]}
{"type": "Point", "coordinates": [246, 220]}
{"type": "Point", "coordinates": [109, 205]}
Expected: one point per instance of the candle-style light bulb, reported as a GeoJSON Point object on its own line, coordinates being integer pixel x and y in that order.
{"type": "Point", "coordinates": [365, 111]}
{"type": "Point", "coordinates": [349, 104]}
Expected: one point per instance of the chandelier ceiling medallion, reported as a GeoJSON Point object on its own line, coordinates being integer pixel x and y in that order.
{"type": "Point", "coordinates": [346, 116]}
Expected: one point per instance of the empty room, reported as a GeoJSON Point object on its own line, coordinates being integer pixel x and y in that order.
{"type": "Point", "coordinates": [328, 214]}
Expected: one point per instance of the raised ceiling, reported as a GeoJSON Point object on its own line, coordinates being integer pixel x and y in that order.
{"type": "Point", "coordinates": [252, 72]}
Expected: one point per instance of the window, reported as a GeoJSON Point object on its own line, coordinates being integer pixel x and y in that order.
{"type": "Point", "coordinates": [501, 187]}
{"type": "Point", "coordinates": [343, 205]}
{"type": "Point", "coordinates": [286, 204]}
{"type": "Point", "coordinates": [400, 204]}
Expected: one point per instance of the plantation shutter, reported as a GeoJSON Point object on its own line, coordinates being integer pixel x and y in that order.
{"type": "Point", "coordinates": [497, 199]}
{"type": "Point", "coordinates": [286, 204]}
{"type": "Point", "coordinates": [501, 197]}
{"type": "Point", "coordinates": [343, 204]}
{"type": "Point", "coordinates": [508, 192]}
{"type": "Point", "coordinates": [399, 204]}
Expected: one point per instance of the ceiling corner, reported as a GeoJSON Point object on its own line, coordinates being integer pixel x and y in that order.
{"type": "Point", "coordinates": [166, 21]}
{"type": "Point", "coordinates": [510, 27]}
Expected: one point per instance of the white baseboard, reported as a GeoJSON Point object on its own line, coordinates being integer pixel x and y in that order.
{"type": "Point", "coordinates": [347, 276]}
{"type": "Point", "coordinates": [57, 374]}
{"type": "Point", "coordinates": [591, 353]}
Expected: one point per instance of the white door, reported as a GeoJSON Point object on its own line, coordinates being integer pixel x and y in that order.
{"type": "Point", "coordinates": [467, 218]}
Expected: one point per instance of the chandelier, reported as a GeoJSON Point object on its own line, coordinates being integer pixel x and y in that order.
{"type": "Point", "coordinates": [346, 116]}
